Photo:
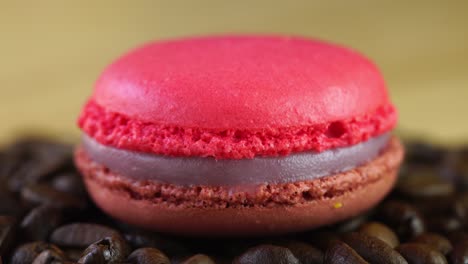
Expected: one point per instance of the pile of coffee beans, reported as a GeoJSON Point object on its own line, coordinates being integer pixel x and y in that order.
{"type": "Point", "coordinates": [47, 217]}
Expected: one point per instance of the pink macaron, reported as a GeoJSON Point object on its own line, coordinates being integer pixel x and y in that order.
{"type": "Point", "coordinates": [238, 135]}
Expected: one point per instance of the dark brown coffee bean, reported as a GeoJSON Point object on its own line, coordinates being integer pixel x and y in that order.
{"type": "Point", "coordinates": [9, 205]}
{"type": "Point", "coordinates": [372, 249]}
{"type": "Point", "coordinates": [10, 159]}
{"type": "Point", "coordinates": [73, 254]}
{"type": "Point", "coordinates": [423, 153]}
{"type": "Point", "coordinates": [50, 256]}
{"type": "Point", "coordinates": [222, 260]}
{"type": "Point", "coordinates": [352, 224]}
{"type": "Point", "coordinates": [26, 253]}
{"type": "Point", "coordinates": [40, 160]}
{"type": "Point", "coordinates": [459, 254]}
{"type": "Point", "coordinates": [80, 234]}
{"type": "Point", "coordinates": [436, 241]}
{"type": "Point", "coordinates": [461, 180]}
{"type": "Point", "coordinates": [94, 254]}
{"type": "Point", "coordinates": [403, 218]}
{"type": "Point", "coordinates": [462, 155]}
{"type": "Point", "coordinates": [339, 253]}
{"type": "Point", "coordinates": [423, 184]}
{"type": "Point", "coordinates": [140, 238]}
{"type": "Point", "coordinates": [267, 254]}
{"type": "Point", "coordinates": [458, 210]}
{"type": "Point", "coordinates": [199, 259]}
{"type": "Point", "coordinates": [39, 222]}
{"type": "Point", "coordinates": [457, 237]}
{"type": "Point", "coordinates": [114, 249]}
{"type": "Point", "coordinates": [118, 248]}
{"type": "Point", "coordinates": [305, 253]}
{"type": "Point", "coordinates": [444, 224]}
{"type": "Point", "coordinates": [230, 247]}
{"type": "Point", "coordinates": [45, 194]}
{"type": "Point", "coordinates": [462, 199]}
{"type": "Point", "coordinates": [447, 206]}
{"type": "Point", "coordinates": [148, 256]}
{"type": "Point", "coordinates": [7, 233]}
{"type": "Point", "coordinates": [69, 182]}
{"type": "Point", "coordinates": [381, 232]}
{"type": "Point", "coordinates": [322, 239]}
{"type": "Point", "coordinates": [421, 254]}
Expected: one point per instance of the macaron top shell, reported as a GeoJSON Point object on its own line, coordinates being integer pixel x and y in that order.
{"type": "Point", "coordinates": [242, 82]}
{"type": "Point", "coordinates": [238, 97]}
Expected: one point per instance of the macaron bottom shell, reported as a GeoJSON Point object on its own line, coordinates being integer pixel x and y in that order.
{"type": "Point", "coordinates": [320, 202]}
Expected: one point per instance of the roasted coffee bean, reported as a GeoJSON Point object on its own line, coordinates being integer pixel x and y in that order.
{"type": "Point", "coordinates": [7, 234]}
{"type": "Point", "coordinates": [140, 238]}
{"type": "Point", "coordinates": [352, 224]}
{"type": "Point", "coordinates": [381, 232]}
{"type": "Point", "coordinates": [421, 254]}
{"type": "Point", "coordinates": [448, 168]}
{"type": "Point", "coordinates": [233, 248]}
{"type": "Point", "coordinates": [339, 253]}
{"type": "Point", "coordinates": [458, 210]}
{"type": "Point", "coordinates": [322, 239]}
{"type": "Point", "coordinates": [80, 234]}
{"type": "Point", "coordinates": [457, 237]}
{"type": "Point", "coordinates": [372, 249]}
{"type": "Point", "coordinates": [462, 176]}
{"type": "Point", "coordinates": [40, 160]}
{"type": "Point", "coordinates": [462, 158]}
{"type": "Point", "coordinates": [423, 184]}
{"type": "Point", "coordinates": [113, 249]}
{"type": "Point", "coordinates": [50, 256]}
{"type": "Point", "coordinates": [45, 194]}
{"type": "Point", "coordinates": [444, 224]}
{"type": "Point", "coordinates": [462, 200]}
{"type": "Point", "coordinates": [10, 159]}
{"type": "Point", "coordinates": [118, 247]}
{"type": "Point", "coordinates": [267, 254]}
{"type": "Point", "coordinates": [222, 260]}
{"type": "Point", "coordinates": [423, 153]}
{"type": "Point", "coordinates": [28, 252]}
{"type": "Point", "coordinates": [199, 259]}
{"type": "Point", "coordinates": [305, 253]}
{"type": "Point", "coordinates": [218, 246]}
{"type": "Point", "coordinates": [9, 205]}
{"type": "Point", "coordinates": [73, 254]}
{"type": "Point", "coordinates": [403, 218]}
{"type": "Point", "coordinates": [39, 222]}
{"type": "Point", "coordinates": [459, 254]}
{"type": "Point", "coordinates": [69, 182]}
{"type": "Point", "coordinates": [94, 254]}
{"type": "Point", "coordinates": [148, 256]}
{"type": "Point", "coordinates": [436, 241]}
{"type": "Point", "coordinates": [447, 206]}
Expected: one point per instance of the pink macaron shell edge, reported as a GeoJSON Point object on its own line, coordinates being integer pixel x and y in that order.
{"type": "Point", "coordinates": [241, 82]}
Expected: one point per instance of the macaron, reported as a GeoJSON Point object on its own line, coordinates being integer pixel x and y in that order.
{"type": "Point", "coordinates": [238, 135]}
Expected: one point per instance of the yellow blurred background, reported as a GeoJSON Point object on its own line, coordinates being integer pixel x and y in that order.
{"type": "Point", "coordinates": [51, 52]}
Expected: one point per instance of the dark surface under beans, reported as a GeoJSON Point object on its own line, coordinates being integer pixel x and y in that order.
{"type": "Point", "coordinates": [47, 217]}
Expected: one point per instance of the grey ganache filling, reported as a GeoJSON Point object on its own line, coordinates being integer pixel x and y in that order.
{"type": "Point", "coordinates": [208, 171]}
